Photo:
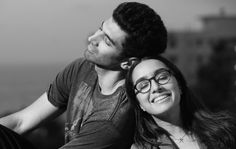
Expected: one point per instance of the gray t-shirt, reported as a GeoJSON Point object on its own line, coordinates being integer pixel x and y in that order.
{"type": "Point", "coordinates": [94, 120]}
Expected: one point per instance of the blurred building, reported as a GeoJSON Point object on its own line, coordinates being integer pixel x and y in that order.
{"type": "Point", "coordinates": [191, 49]}
{"type": "Point", "coordinates": [207, 58]}
{"type": "Point", "coordinates": [188, 50]}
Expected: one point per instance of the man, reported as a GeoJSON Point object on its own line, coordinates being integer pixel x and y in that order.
{"type": "Point", "coordinates": [91, 89]}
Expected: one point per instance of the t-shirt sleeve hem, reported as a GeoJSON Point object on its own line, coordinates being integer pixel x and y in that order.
{"type": "Point", "coordinates": [54, 102]}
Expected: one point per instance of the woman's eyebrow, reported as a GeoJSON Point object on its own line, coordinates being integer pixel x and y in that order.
{"type": "Point", "coordinates": [152, 74]}
{"type": "Point", "coordinates": [141, 79]}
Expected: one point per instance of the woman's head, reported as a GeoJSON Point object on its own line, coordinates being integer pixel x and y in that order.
{"type": "Point", "coordinates": [176, 93]}
{"type": "Point", "coordinates": [156, 89]}
{"type": "Point", "coordinates": [156, 84]}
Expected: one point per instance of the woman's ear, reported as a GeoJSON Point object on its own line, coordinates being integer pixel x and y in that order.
{"type": "Point", "coordinates": [128, 63]}
{"type": "Point", "coordinates": [142, 108]}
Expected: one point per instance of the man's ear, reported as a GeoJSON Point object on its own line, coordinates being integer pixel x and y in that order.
{"type": "Point", "coordinates": [128, 63]}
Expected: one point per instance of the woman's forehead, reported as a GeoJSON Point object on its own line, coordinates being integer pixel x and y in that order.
{"type": "Point", "coordinates": [147, 68]}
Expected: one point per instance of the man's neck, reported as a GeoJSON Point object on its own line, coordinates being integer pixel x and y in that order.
{"type": "Point", "coordinates": [109, 80]}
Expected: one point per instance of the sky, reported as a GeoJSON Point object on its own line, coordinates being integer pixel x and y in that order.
{"type": "Point", "coordinates": [56, 31]}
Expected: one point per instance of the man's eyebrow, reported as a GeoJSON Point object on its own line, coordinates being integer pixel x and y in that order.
{"type": "Point", "coordinates": [101, 28]}
{"type": "Point", "coordinates": [101, 25]}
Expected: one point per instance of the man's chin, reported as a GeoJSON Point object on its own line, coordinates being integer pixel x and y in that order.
{"type": "Point", "coordinates": [87, 55]}
{"type": "Point", "coordinates": [89, 58]}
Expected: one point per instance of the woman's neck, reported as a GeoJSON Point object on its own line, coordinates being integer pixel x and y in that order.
{"type": "Point", "coordinates": [170, 121]}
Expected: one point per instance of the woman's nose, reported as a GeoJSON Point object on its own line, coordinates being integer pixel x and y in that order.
{"type": "Point", "coordinates": [155, 87]}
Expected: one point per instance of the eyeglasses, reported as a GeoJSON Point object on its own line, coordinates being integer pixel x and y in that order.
{"type": "Point", "coordinates": [161, 77]}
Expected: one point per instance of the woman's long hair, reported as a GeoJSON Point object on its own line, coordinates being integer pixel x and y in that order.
{"type": "Point", "coordinates": [215, 130]}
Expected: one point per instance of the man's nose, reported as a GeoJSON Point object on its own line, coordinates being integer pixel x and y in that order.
{"type": "Point", "coordinates": [95, 38]}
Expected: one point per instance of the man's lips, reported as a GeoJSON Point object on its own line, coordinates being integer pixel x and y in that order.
{"type": "Point", "coordinates": [90, 49]}
{"type": "Point", "coordinates": [160, 98]}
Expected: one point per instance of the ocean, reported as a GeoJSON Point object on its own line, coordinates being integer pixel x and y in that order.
{"type": "Point", "coordinates": [20, 85]}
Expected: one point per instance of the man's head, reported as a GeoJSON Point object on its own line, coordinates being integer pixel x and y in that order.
{"type": "Point", "coordinates": [105, 45]}
{"type": "Point", "coordinates": [147, 35]}
{"type": "Point", "coordinates": [134, 30]}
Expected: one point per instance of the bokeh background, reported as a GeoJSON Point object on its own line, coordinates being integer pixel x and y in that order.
{"type": "Point", "coordinates": [38, 38]}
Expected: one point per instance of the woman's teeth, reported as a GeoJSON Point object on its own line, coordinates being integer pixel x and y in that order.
{"type": "Point", "coordinates": [159, 99]}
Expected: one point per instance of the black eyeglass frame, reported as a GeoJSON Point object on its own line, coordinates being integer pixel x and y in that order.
{"type": "Point", "coordinates": [154, 78]}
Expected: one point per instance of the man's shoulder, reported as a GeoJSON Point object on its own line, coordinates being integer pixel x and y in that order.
{"type": "Point", "coordinates": [81, 64]}
{"type": "Point", "coordinates": [82, 61]}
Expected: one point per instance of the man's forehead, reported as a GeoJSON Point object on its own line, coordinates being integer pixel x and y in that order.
{"type": "Point", "coordinates": [113, 30]}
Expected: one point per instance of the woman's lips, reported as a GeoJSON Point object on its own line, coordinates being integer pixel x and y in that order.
{"type": "Point", "coordinates": [160, 98]}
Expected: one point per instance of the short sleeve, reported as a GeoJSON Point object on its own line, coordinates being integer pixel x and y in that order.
{"type": "Point", "coordinates": [59, 90]}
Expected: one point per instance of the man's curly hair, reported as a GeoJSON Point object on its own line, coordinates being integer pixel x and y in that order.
{"type": "Point", "coordinates": [147, 35]}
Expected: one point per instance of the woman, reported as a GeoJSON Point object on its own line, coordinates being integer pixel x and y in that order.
{"type": "Point", "coordinates": [168, 116]}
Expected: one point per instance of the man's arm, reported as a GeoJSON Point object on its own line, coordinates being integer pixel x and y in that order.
{"type": "Point", "coordinates": [30, 117]}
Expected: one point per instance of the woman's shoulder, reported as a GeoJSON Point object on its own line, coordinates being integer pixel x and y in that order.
{"type": "Point", "coordinates": [133, 146]}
